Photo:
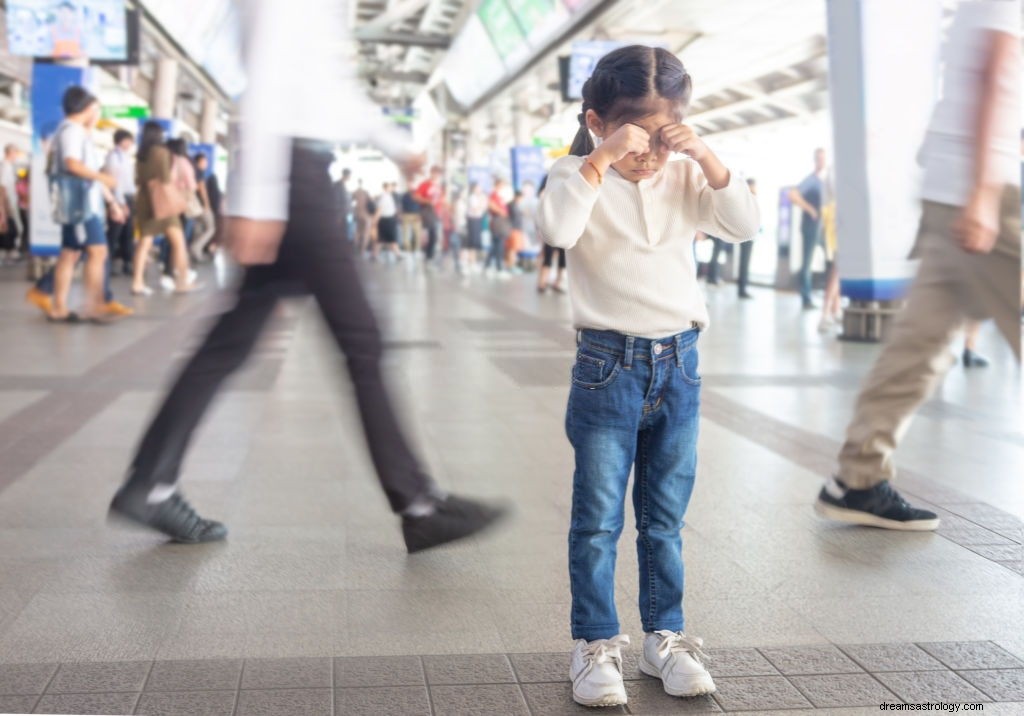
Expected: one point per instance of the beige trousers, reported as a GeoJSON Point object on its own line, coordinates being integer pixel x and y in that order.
{"type": "Point", "coordinates": [951, 288]}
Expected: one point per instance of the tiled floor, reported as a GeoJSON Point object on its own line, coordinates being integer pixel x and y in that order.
{"type": "Point", "coordinates": [280, 619]}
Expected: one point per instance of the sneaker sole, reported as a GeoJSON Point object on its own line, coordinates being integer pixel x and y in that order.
{"type": "Point", "coordinates": [700, 685]}
{"type": "Point", "coordinates": [122, 521]}
{"type": "Point", "coordinates": [866, 519]}
{"type": "Point", "coordinates": [605, 701]}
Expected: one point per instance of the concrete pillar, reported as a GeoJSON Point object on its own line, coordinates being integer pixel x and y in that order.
{"type": "Point", "coordinates": [521, 123]}
{"type": "Point", "coordinates": [165, 89]}
{"type": "Point", "coordinates": [883, 82]}
{"type": "Point", "coordinates": [208, 121]}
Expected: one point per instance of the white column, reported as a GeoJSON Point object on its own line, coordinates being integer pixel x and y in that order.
{"type": "Point", "coordinates": [208, 121]}
{"type": "Point", "coordinates": [164, 98]}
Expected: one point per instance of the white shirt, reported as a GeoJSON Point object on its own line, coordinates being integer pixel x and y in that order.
{"type": "Point", "coordinates": [122, 166]}
{"type": "Point", "coordinates": [9, 181]}
{"type": "Point", "coordinates": [631, 254]}
{"type": "Point", "coordinates": [386, 205]}
{"type": "Point", "coordinates": [76, 143]}
{"type": "Point", "coordinates": [299, 84]}
{"type": "Point", "coordinates": [947, 154]}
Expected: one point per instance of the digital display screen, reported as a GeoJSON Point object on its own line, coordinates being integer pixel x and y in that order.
{"type": "Point", "coordinates": [68, 29]}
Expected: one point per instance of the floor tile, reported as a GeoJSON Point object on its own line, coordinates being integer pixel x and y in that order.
{"type": "Point", "coordinates": [739, 662]}
{"type": "Point", "coordinates": [187, 703]}
{"type": "Point", "coordinates": [891, 657]}
{"type": "Point", "coordinates": [541, 668]}
{"type": "Point", "coordinates": [836, 690]}
{"type": "Point", "coordinates": [468, 669]}
{"type": "Point", "coordinates": [481, 700]}
{"type": "Point", "coordinates": [92, 704]}
{"type": "Point", "coordinates": [17, 704]}
{"type": "Point", "coordinates": [959, 655]}
{"type": "Point", "coordinates": [197, 675]}
{"type": "Point", "coordinates": [25, 678]}
{"type": "Point", "coordinates": [810, 660]}
{"type": "Point", "coordinates": [99, 677]}
{"type": "Point", "coordinates": [555, 699]}
{"type": "Point", "coordinates": [378, 671]}
{"type": "Point", "coordinates": [383, 701]}
{"type": "Point", "coordinates": [287, 673]}
{"type": "Point", "coordinates": [649, 697]}
{"type": "Point", "coordinates": [999, 684]}
{"type": "Point", "coordinates": [757, 693]}
{"type": "Point", "coordinates": [277, 702]}
{"type": "Point", "coordinates": [920, 686]}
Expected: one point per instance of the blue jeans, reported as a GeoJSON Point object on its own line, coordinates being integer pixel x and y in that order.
{"type": "Point", "coordinates": [634, 403]}
{"type": "Point", "coordinates": [810, 242]}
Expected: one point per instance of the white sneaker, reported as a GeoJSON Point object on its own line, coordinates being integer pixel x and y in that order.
{"type": "Point", "coordinates": [677, 660]}
{"type": "Point", "coordinates": [167, 283]}
{"type": "Point", "coordinates": [596, 672]}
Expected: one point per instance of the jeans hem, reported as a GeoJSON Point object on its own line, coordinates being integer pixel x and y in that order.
{"type": "Point", "coordinates": [592, 633]}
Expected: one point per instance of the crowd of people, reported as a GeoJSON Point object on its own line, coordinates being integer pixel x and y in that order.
{"type": "Point", "coordinates": [112, 211]}
{"type": "Point", "coordinates": [476, 230]}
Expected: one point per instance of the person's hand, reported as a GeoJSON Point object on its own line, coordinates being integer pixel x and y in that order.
{"type": "Point", "coordinates": [812, 212]}
{"type": "Point", "coordinates": [107, 180]}
{"type": "Point", "coordinates": [412, 165]}
{"type": "Point", "coordinates": [118, 214]}
{"type": "Point", "coordinates": [977, 227]}
{"type": "Point", "coordinates": [681, 138]}
{"type": "Point", "coordinates": [254, 242]}
{"type": "Point", "coordinates": [627, 139]}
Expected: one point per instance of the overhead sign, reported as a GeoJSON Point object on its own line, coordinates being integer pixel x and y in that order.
{"type": "Point", "coordinates": [126, 112]}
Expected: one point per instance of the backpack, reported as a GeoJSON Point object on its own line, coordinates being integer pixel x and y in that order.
{"type": "Point", "coordinates": [69, 195]}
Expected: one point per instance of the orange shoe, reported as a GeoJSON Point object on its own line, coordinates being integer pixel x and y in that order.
{"type": "Point", "coordinates": [42, 301]}
{"type": "Point", "coordinates": [114, 308]}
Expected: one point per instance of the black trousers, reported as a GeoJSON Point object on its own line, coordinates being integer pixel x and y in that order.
{"type": "Point", "coordinates": [714, 267]}
{"type": "Point", "coordinates": [312, 260]}
{"type": "Point", "coordinates": [121, 237]}
{"type": "Point", "coordinates": [746, 248]}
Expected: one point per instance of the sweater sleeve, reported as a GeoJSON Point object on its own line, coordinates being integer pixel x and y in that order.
{"type": "Point", "coordinates": [730, 213]}
{"type": "Point", "coordinates": [566, 205]}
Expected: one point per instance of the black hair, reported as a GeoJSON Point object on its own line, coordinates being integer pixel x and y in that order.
{"type": "Point", "coordinates": [121, 135]}
{"type": "Point", "coordinates": [626, 85]}
{"type": "Point", "coordinates": [200, 155]}
{"type": "Point", "coordinates": [177, 147]}
{"type": "Point", "coordinates": [76, 100]}
{"type": "Point", "coordinates": [152, 136]}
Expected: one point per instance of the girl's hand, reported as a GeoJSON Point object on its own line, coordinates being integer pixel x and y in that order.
{"type": "Point", "coordinates": [682, 139]}
{"type": "Point", "coordinates": [627, 139]}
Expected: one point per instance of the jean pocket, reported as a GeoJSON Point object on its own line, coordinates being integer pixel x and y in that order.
{"type": "Point", "coordinates": [689, 366]}
{"type": "Point", "coordinates": [592, 372]}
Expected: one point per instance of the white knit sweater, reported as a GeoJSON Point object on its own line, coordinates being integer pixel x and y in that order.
{"type": "Point", "coordinates": [630, 260]}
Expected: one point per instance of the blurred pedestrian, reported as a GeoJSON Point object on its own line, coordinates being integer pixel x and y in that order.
{"type": "Point", "coordinates": [476, 210]}
{"type": "Point", "coordinates": [283, 228]}
{"type": "Point", "coordinates": [969, 246]}
{"type": "Point", "coordinates": [387, 223]}
{"type": "Point", "coordinates": [808, 196]}
{"type": "Point", "coordinates": [206, 225]}
{"type": "Point", "coordinates": [120, 164]}
{"type": "Point", "coordinates": [746, 251]}
{"type": "Point", "coordinates": [14, 240]}
{"type": "Point", "coordinates": [500, 227]}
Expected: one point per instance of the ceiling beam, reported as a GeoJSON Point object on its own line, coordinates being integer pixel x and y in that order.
{"type": "Point", "coordinates": [753, 100]}
{"type": "Point", "coordinates": [397, 11]}
{"type": "Point", "coordinates": [408, 39]}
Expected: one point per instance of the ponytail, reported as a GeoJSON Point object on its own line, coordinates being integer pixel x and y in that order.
{"type": "Point", "coordinates": [582, 143]}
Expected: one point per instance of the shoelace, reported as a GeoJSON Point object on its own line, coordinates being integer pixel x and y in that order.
{"type": "Point", "coordinates": [677, 643]}
{"type": "Point", "coordinates": [191, 520]}
{"type": "Point", "coordinates": [604, 650]}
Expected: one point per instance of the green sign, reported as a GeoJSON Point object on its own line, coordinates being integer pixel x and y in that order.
{"type": "Point", "coordinates": [126, 112]}
{"type": "Point", "coordinates": [501, 25]}
{"type": "Point", "coordinates": [548, 142]}
{"type": "Point", "coordinates": [531, 14]}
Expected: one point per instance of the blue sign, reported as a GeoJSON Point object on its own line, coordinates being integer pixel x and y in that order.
{"type": "Point", "coordinates": [584, 58]}
{"type": "Point", "coordinates": [481, 176]}
{"type": "Point", "coordinates": [527, 166]}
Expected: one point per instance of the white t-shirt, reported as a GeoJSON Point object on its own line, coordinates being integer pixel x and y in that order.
{"type": "Point", "coordinates": [75, 143]}
{"type": "Point", "coordinates": [948, 151]}
{"type": "Point", "coordinates": [386, 205]}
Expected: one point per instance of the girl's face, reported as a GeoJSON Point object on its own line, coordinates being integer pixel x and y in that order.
{"type": "Point", "coordinates": [635, 167]}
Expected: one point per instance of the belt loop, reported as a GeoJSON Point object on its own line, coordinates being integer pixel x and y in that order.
{"type": "Point", "coordinates": [679, 350]}
{"type": "Point", "coordinates": [579, 337]}
{"type": "Point", "coordinates": [628, 362]}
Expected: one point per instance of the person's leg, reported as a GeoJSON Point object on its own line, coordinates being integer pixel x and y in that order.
{"type": "Point", "coordinates": [994, 279]}
{"type": "Point", "coordinates": [139, 264]}
{"type": "Point", "coordinates": [664, 474]}
{"type": "Point", "coordinates": [743, 280]}
{"type": "Point", "coordinates": [912, 361]}
{"type": "Point", "coordinates": [96, 279]}
{"type": "Point", "coordinates": [713, 266]}
{"type": "Point", "coordinates": [63, 275]}
{"type": "Point", "coordinates": [602, 419]}
{"type": "Point", "coordinates": [810, 240]}
{"type": "Point", "coordinates": [179, 258]}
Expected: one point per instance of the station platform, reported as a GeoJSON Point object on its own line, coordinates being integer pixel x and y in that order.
{"type": "Point", "coordinates": [313, 607]}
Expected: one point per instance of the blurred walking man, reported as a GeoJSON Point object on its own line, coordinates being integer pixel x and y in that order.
{"type": "Point", "coordinates": [283, 228]}
{"type": "Point", "coordinates": [969, 246]}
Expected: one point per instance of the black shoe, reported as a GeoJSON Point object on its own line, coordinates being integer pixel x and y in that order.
{"type": "Point", "coordinates": [745, 295]}
{"type": "Point", "coordinates": [453, 518]}
{"type": "Point", "coordinates": [173, 517]}
{"type": "Point", "coordinates": [879, 506]}
{"type": "Point", "coordinates": [809, 305]}
{"type": "Point", "coordinates": [973, 360]}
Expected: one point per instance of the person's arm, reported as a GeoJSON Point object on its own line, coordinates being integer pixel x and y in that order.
{"type": "Point", "coordinates": [729, 213]}
{"type": "Point", "coordinates": [261, 161]}
{"type": "Point", "coordinates": [567, 203]}
{"type": "Point", "coordinates": [796, 196]}
{"type": "Point", "coordinates": [79, 169]}
{"type": "Point", "coordinates": [977, 226]}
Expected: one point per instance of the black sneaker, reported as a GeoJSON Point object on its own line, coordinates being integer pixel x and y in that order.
{"type": "Point", "coordinates": [173, 517]}
{"type": "Point", "coordinates": [453, 518]}
{"type": "Point", "coordinates": [879, 506]}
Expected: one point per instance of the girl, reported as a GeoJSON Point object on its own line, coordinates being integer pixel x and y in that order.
{"type": "Point", "coordinates": [501, 228]}
{"type": "Point", "coordinates": [628, 218]}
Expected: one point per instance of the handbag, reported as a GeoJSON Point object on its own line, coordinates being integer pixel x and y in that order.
{"type": "Point", "coordinates": [194, 207]}
{"type": "Point", "coordinates": [69, 195]}
{"type": "Point", "coordinates": [166, 199]}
